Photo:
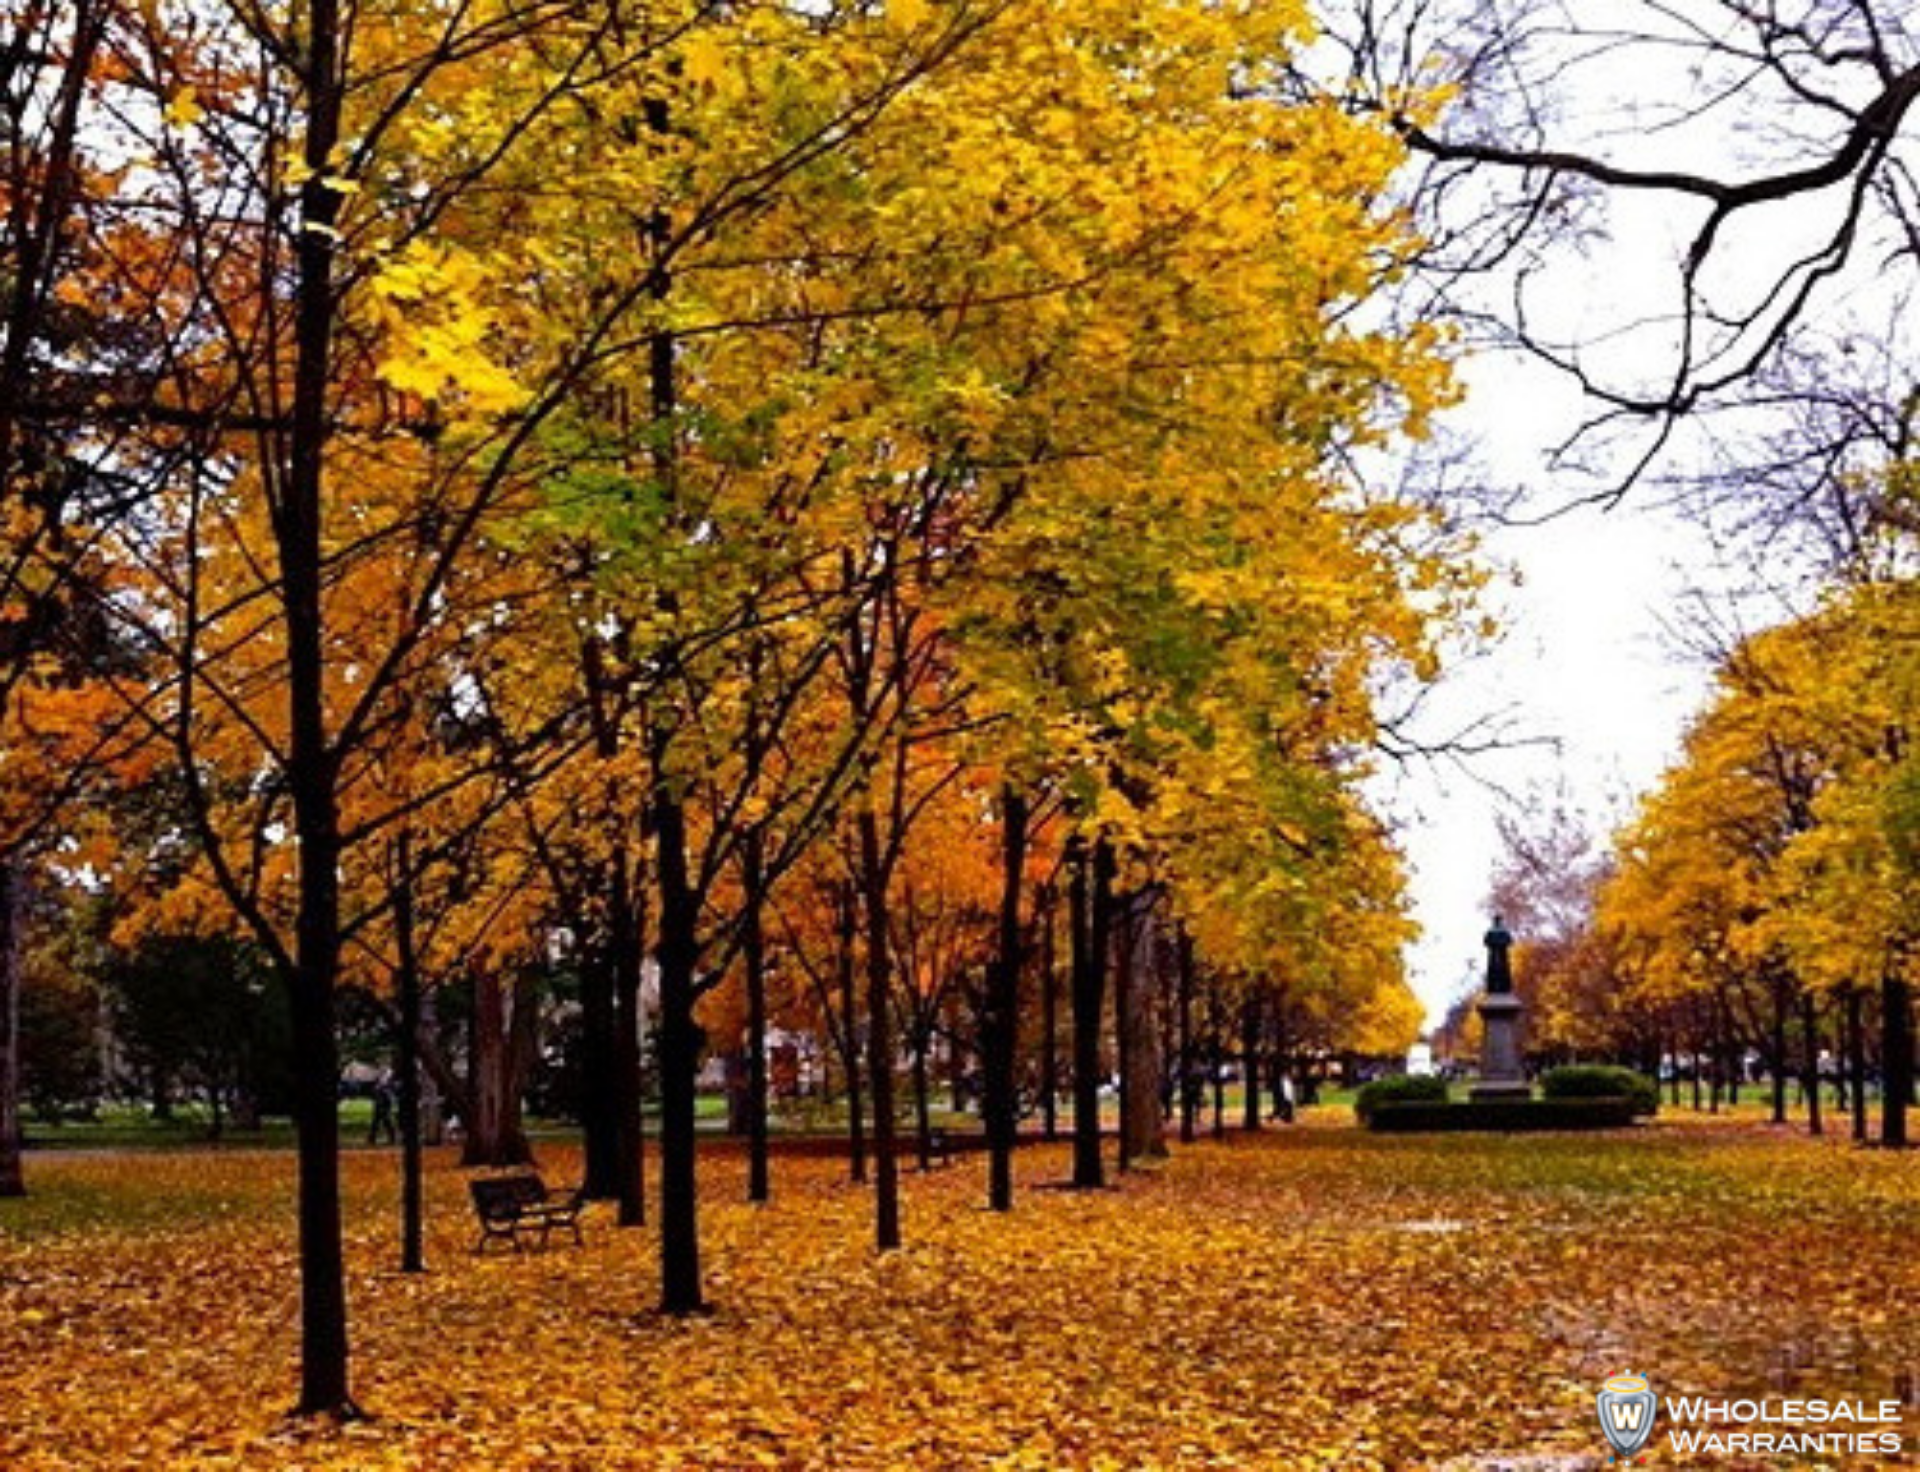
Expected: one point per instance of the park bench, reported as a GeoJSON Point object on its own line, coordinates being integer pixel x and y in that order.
{"type": "Point", "coordinates": [513, 1205]}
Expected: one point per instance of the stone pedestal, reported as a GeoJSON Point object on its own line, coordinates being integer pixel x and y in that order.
{"type": "Point", "coordinates": [1501, 1076]}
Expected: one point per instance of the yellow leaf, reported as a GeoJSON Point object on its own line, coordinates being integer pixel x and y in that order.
{"type": "Point", "coordinates": [183, 109]}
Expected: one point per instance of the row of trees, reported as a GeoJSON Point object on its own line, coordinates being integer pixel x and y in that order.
{"type": "Point", "coordinates": [489, 486]}
{"type": "Point", "coordinates": [1761, 900]}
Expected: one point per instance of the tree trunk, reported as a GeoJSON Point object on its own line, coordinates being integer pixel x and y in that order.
{"type": "Point", "coordinates": [1124, 963]}
{"type": "Point", "coordinates": [873, 875]}
{"type": "Point", "coordinates": [1143, 1128]}
{"type": "Point", "coordinates": [1781, 1006]}
{"type": "Point", "coordinates": [848, 918]}
{"type": "Point", "coordinates": [627, 950]}
{"type": "Point", "coordinates": [1089, 901]}
{"type": "Point", "coordinates": [1189, 1073]}
{"type": "Point", "coordinates": [433, 1099]}
{"type": "Point", "coordinates": [754, 959]}
{"type": "Point", "coordinates": [1219, 1088]}
{"type": "Point", "coordinates": [1810, 1055]}
{"type": "Point", "coordinates": [1049, 1019]}
{"type": "Point", "coordinates": [922, 1102]}
{"type": "Point", "coordinates": [611, 950]}
{"type": "Point", "coordinates": [494, 1135]}
{"type": "Point", "coordinates": [12, 913]}
{"type": "Point", "coordinates": [1250, 1063]}
{"type": "Point", "coordinates": [680, 1044]}
{"type": "Point", "coordinates": [1277, 1061]}
{"type": "Point", "coordinates": [599, 1123]}
{"type": "Point", "coordinates": [412, 1258]}
{"type": "Point", "coordinates": [312, 766]}
{"type": "Point", "coordinates": [1857, 1061]}
{"type": "Point", "coordinates": [1896, 1059]}
{"type": "Point", "coordinates": [999, 1032]}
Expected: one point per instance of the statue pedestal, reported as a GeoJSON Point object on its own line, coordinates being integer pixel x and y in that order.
{"type": "Point", "coordinates": [1501, 1076]}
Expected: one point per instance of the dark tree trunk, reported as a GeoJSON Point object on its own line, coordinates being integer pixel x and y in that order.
{"type": "Point", "coordinates": [627, 955]}
{"type": "Point", "coordinates": [1782, 1005]}
{"type": "Point", "coordinates": [1735, 1063]}
{"type": "Point", "coordinates": [412, 1254]}
{"type": "Point", "coordinates": [848, 918]}
{"type": "Point", "coordinates": [1896, 1059]}
{"type": "Point", "coordinates": [1090, 903]}
{"type": "Point", "coordinates": [1857, 1060]}
{"type": "Point", "coordinates": [312, 767]}
{"type": "Point", "coordinates": [999, 1031]}
{"type": "Point", "coordinates": [1124, 962]}
{"type": "Point", "coordinates": [1250, 1029]}
{"type": "Point", "coordinates": [612, 946]}
{"type": "Point", "coordinates": [680, 1045]}
{"type": "Point", "coordinates": [12, 910]}
{"type": "Point", "coordinates": [678, 950]}
{"type": "Point", "coordinates": [873, 875]}
{"type": "Point", "coordinates": [1044, 903]}
{"type": "Point", "coordinates": [1810, 1056]}
{"type": "Point", "coordinates": [1189, 1076]}
{"type": "Point", "coordinates": [754, 959]}
{"type": "Point", "coordinates": [599, 1124]}
{"type": "Point", "coordinates": [1277, 1064]}
{"type": "Point", "coordinates": [922, 1102]}
{"type": "Point", "coordinates": [1143, 1125]}
{"type": "Point", "coordinates": [501, 1042]}
{"type": "Point", "coordinates": [1219, 1089]}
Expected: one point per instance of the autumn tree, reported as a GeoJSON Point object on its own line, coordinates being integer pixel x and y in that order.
{"type": "Point", "coordinates": [1762, 878]}
{"type": "Point", "coordinates": [333, 318]}
{"type": "Point", "coordinates": [72, 336]}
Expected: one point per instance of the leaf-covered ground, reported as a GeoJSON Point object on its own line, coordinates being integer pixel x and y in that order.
{"type": "Point", "coordinates": [1312, 1297]}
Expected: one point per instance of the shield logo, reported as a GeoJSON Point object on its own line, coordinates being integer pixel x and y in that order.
{"type": "Point", "coordinates": [1627, 1407]}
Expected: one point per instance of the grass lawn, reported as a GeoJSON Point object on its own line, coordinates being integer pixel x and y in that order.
{"type": "Point", "coordinates": [1311, 1297]}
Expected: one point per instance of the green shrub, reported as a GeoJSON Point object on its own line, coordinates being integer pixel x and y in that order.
{"type": "Point", "coordinates": [1505, 1115]}
{"type": "Point", "coordinates": [1601, 1081]}
{"type": "Point", "coordinates": [1402, 1088]}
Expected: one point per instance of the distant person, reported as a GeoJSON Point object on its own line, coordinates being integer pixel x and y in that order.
{"type": "Point", "coordinates": [382, 1114]}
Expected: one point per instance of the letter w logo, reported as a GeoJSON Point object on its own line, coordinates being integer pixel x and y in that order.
{"type": "Point", "coordinates": [1628, 1414]}
{"type": "Point", "coordinates": [1627, 1409]}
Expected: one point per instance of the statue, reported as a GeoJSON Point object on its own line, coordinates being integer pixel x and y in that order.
{"type": "Point", "coordinates": [1499, 970]}
{"type": "Point", "coordinates": [1501, 1073]}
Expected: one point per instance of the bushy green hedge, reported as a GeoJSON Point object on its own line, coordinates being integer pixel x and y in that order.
{"type": "Point", "coordinates": [1504, 1115]}
{"type": "Point", "coordinates": [1402, 1088]}
{"type": "Point", "coordinates": [1601, 1081]}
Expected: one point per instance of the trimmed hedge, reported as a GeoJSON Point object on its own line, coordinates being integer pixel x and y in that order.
{"type": "Point", "coordinates": [1503, 1114]}
{"type": "Point", "coordinates": [1601, 1081]}
{"type": "Point", "coordinates": [1400, 1088]}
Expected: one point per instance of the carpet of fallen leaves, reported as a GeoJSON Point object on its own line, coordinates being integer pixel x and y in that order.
{"type": "Point", "coordinates": [1305, 1298]}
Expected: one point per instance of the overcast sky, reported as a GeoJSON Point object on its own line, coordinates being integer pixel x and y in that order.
{"type": "Point", "coordinates": [1587, 676]}
{"type": "Point", "coordinates": [1588, 683]}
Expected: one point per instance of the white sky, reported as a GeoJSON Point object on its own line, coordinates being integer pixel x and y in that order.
{"type": "Point", "coordinates": [1584, 667]}
{"type": "Point", "coordinates": [1585, 683]}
